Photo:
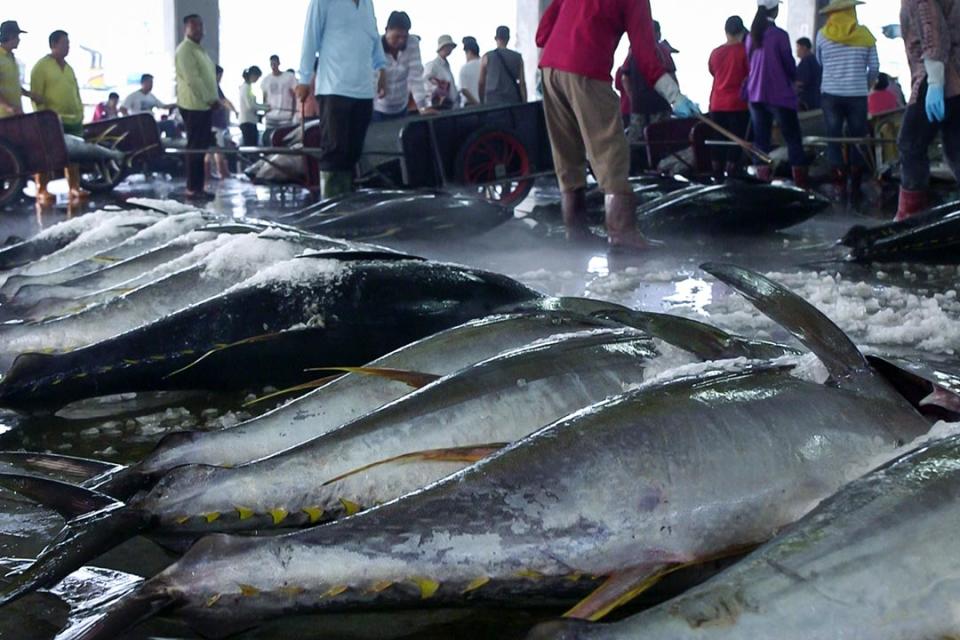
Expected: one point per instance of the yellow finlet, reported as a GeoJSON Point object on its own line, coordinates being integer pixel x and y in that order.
{"type": "Point", "coordinates": [352, 508]}
{"type": "Point", "coordinates": [244, 513]}
{"type": "Point", "coordinates": [278, 515]}
{"type": "Point", "coordinates": [213, 600]}
{"type": "Point", "coordinates": [529, 574]}
{"type": "Point", "coordinates": [211, 517]}
{"type": "Point", "coordinates": [380, 587]}
{"type": "Point", "coordinates": [315, 514]}
{"type": "Point", "coordinates": [248, 590]}
{"type": "Point", "coordinates": [292, 591]}
{"type": "Point", "coordinates": [476, 584]}
{"type": "Point", "coordinates": [182, 520]}
{"type": "Point", "coordinates": [427, 587]}
{"type": "Point", "coordinates": [335, 591]}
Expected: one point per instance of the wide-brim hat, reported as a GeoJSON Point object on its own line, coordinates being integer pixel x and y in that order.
{"type": "Point", "coordinates": [445, 41]}
{"type": "Point", "coordinates": [840, 5]}
{"type": "Point", "coordinates": [9, 29]}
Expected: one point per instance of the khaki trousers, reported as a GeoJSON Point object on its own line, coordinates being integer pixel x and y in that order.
{"type": "Point", "coordinates": [584, 122]}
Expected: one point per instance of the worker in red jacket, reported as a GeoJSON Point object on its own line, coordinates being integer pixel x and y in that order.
{"type": "Point", "coordinates": [579, 38]}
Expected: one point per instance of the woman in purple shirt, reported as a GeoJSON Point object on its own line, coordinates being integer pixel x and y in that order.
{"type": "Point", "coordinates": [770, 89]}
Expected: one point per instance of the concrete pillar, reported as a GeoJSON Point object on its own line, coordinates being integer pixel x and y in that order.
{"type": "Point", "coordinates": [209, 10]}
{"type": "Point", "coordinates": [528, 18]}
{"type": "Point", "coordinates": [804, 19]}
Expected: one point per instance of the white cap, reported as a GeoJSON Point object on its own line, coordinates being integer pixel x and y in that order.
{"type": "Point", "coordinates": [445, 41]}
{"type": "Point", "coordinates": [768, 4]}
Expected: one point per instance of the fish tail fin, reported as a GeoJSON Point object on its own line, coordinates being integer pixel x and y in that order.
{"type": "Point", "coordinates": [96, 524]}
{"type": "Point", "coordinates": [70, 466]}
{"type": "Point", "coordinates": [127, 608]}
{"type": "Point", "coordinates": [816, 331]}
{"type": "Point", "coordinates": [18, 384]}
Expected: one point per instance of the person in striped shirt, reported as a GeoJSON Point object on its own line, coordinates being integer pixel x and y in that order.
{"type": "Point", "coordinates": [848, 53]}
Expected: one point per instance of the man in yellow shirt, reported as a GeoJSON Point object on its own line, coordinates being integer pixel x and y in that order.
{"type": "Point", "coordinates": [197, 98]}
{"type": "Point", "coordinates": [11, 91]}
{"type": "Point", "coordinates": [54, 86]}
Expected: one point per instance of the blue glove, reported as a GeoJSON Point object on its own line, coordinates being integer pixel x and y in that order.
{"type": "Point", "coordinates": [936, 107]}
{"type": "Point", "coordinates": [686, 108]}
{"type": "Point", "coordinates": [892, 31]}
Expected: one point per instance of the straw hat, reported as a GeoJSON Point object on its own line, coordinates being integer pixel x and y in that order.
{"type": "Point", "coordinates": [840, 5]}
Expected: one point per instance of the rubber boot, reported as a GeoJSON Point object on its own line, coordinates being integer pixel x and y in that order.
{"type": "Point", "coordinates": [801, 177]}
{"type": "Point", "coordinates": [840, 185]}
{"type": "Point", "coordinates": [335, 183]}
{"type": "Point", "coordinates": [911, 203]}
{"type": "Point", "coordinates": [718, 173]}
{"type": "Point", "coordinates": [573, 204]}
{"type": "Point", "coordinates": [622, 224]}
{"type": "Point", "coordinates": [44, 197]}
{"type": "Point", "coordinates": [764, 173]}
{"type": "Point", "coordinates": [72, 173]}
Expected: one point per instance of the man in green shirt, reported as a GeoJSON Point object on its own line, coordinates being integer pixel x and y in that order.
{"type": "Point", "coordinates": [54, 86]}
{"type": "Point", "coordinates": [11, 90]}
{"type": "Point", "coordinates": [197, 98]}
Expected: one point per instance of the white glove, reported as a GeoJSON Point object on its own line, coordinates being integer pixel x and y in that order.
{"type": "Point", "coordinates": [936, 72]}
{"type": "Point", "coordinates": [682, 106]}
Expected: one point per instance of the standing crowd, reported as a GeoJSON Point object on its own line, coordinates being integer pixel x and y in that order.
{"type": "Point", "coordinates": [351, 74]}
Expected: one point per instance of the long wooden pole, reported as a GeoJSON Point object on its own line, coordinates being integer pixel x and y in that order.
{"type": "Point", "coordinates": [749, 148]}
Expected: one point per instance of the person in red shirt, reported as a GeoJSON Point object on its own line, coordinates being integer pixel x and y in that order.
{"type": "Point", "coordinates": [579, 38]}
{"type": "Point", "coordinates": [107, 110]}
{"type": "Point", "coordinates": [882, 99]}
{"type": "Point", "coordinates": [729, 67]}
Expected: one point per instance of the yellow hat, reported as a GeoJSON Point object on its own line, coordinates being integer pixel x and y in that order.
{"type": "Point", "coordinates": [840, 5]}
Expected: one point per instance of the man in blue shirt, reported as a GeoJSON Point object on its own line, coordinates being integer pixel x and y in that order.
{"type": "Point", "coordinates": [342, 42]}
{"type": "Point", "coordinates": [809, 76]}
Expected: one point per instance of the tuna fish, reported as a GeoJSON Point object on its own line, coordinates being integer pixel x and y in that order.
{"type": "Point", "coordinates": [234, 259]}
{"type": "Point", "coordinates": [415, 216]}
{"type": "Point", "coordinates": [39, 302]}
{"type": "Point", "coordinates": [365, 462]}
{"type": "Point", "coordinates": [737, 206]}
{"type": "Point", "coordinates": [628, 489]}
{"type": "Point", "coordinates": [163, 231]}
{"type": "Point", "coordinates": [54, 238]}
{"type": "Point", "coordinates": [357, 306]}
{"type": "Point", "coordinates": [932, 240]}
{"type": "Point", "coordinates": [90, 242]}
{"type": "Point", "coordinates": [876, 561]}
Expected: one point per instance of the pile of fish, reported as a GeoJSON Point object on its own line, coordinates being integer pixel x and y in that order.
{"type": "Point", "coordinates": [670, 206]}
{"type": "Point", "coordinates": [933, 237]}
{"type": "Point", "coordinates": [462, 440]}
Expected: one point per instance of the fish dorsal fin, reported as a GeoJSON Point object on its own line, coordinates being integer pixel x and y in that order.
{"type": "Point", "coordinates": [306, 386]}
{"type": "Point", "coordinates": [69, 500]}
{"type": "Point", "coordinates": [703, 340]}
{"type": "Point", "coordinates": [414, 379]}
{"type": "Point", "coordinates": [816, 331]}
{"type": "Point", "coordinates": [359, 256]}
{"type": "Point", "coordinates": [466, 455]}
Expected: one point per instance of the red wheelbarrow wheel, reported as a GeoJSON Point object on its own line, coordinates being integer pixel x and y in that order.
{"type": "Point", "coordinates": [11, 175]}
{"type": "Point", "coordinates": [498, 164]}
